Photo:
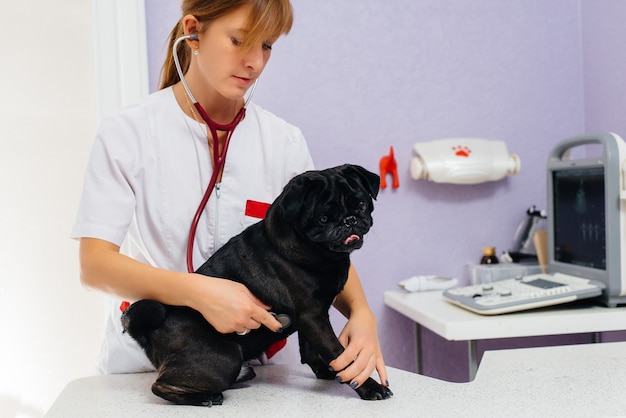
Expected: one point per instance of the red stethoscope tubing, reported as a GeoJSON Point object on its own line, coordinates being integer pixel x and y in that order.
{"type": "Point", "coordinates": [219, 158]}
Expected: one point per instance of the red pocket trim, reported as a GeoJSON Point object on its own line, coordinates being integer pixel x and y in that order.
{"type": "Point", "coordinates": [256, 209]}
{"type": "Point", "coordinates": [275, 348]}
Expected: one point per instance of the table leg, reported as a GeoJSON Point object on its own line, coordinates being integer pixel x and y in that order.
{"type": "Point", "coordinates": [418, 347]}
{"type": "Point", "coordinates": [472, 359]}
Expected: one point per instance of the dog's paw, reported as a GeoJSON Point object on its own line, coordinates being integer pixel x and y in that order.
{"type": "Point", "coordinates": [186, 396]}
{"type": "Point", "coordinates": [371, 390]}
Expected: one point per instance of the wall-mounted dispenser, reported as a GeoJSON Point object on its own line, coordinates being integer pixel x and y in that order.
{"type": "Point", "coordinates": [463, 161]}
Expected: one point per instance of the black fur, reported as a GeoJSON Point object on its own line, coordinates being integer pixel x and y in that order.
{"type": "Point", "coordinates": [296, 260]}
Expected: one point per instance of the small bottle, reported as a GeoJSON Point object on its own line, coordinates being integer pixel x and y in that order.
{"type": "Point", "coordinates": [489, 256]}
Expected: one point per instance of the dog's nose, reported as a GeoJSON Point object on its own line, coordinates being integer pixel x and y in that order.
{"type": "Point", "coordinates": [349, 220]}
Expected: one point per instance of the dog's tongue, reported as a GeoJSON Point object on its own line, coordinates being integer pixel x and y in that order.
{"type": "Point", "coordinates": [351, 238]}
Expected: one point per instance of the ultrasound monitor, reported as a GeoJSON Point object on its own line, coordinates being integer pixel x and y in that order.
{"type": "Point", "coordinates": [587, 212]}
{"type": "Point", "coordinates": [586, 234]}
{"type": "Point", "coordinates": [579, 217]}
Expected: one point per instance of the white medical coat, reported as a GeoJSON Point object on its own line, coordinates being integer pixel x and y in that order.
{"type": "Point", "coordinates": [148, 170]}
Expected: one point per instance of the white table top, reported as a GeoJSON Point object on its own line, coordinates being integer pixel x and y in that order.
{"type": "Point", "coordinates": [454, 323]}
{"type": "Point", "coordinates": [567, 381]}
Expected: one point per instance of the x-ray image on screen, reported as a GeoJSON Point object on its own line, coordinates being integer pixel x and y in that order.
{"type": "Point", "coordinates": [579, 217]}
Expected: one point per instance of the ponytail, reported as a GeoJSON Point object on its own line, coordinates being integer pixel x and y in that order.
{"type": "Point", "coordinates": [169, 75]}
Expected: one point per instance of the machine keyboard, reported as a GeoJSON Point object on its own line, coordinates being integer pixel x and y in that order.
{"type": "Point", "coordinates": [522, 293]}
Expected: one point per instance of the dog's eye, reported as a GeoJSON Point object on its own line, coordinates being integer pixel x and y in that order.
{"type": "Point", "coordinates": [323, 219]}
{"type": "Point", "coordinates": [362, 205]}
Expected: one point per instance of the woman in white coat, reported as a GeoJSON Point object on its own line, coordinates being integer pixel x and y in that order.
{"type": "Point", "coordinates": [149, 168]}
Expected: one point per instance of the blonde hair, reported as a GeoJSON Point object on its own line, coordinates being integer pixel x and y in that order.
{"type": "Point", "coordinates": [268, 19]}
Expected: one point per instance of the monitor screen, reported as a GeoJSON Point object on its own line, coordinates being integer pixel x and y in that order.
{"type": "Point", "coordinates": [579, 217]}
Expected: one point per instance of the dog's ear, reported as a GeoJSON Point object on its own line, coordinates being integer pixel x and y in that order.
{"type": "Point", "coordinates": [368, 180]}
{"type": "Point", "coordinates": [292, 197]}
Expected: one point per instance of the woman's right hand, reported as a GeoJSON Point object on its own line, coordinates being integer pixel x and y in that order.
{"type": "Point", "coordinates": [229, 306]}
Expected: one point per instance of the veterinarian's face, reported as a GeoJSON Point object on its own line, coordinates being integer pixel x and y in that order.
{"type": "Point", "coordinates": [228, 67]}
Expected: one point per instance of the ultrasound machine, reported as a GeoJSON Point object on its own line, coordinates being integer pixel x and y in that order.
{"type": "Point", "coordinates": [586, 234]}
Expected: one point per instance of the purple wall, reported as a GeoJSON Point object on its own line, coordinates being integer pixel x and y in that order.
{"type": "Point", "coordinates": [357, 79]}
{"type": "Point", "coordinates": [604, 35]}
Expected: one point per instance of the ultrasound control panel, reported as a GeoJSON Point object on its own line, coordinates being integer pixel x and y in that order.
{"type": "Point", "coordinates": [523, 293]}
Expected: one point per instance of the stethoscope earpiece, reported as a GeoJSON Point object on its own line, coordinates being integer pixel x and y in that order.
{"type": "Point", "coordinates": [194, 37]}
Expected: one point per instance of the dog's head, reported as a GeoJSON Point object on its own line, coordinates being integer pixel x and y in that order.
{"type": "Point", "coordinates": [329, 208]}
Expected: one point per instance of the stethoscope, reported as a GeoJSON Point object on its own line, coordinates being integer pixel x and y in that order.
{"type": "Point", "coordinates": [219, 157]}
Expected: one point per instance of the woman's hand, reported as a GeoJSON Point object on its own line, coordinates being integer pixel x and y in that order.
{"type": "Point", "coordinates": [359, 337]}
{"type": "Point", "coordinates": [362, 350]}
{"type": "Point", "coordinates": [229, 306]}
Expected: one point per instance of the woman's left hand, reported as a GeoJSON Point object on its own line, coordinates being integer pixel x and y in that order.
{"type": "Point", "coordinates": [362, 351]}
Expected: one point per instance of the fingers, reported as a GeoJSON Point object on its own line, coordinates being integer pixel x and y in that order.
{"type": "Point", "coordinates": [244, 332]}
{"type": "Point", "coordinates": [357, 363]}
{"type": "Point", "coordinates": [354, 368]}
{"type": "Point", "coordinates": [254, 320]}
{"type": "Point", "coordinates": [358, 371]}
{"type": "Point", "coordinates": [258, 302]}
{"type": "Point", "coordinates": [345, 359]}
{"type": "Point", "coordinates": [382, 372]}
{"type": "Point", "coordinates": [263, 317]}
{"type": "Point", "coordinates": [256, 316]}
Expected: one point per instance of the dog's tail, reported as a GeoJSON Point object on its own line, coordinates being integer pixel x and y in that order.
{"type": "Point", "coordinates": [141, 318]}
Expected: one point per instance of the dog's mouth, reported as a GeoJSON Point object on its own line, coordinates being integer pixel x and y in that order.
{"type": "Point", "coordinates": [346, 244]}
{"type": "Point", "coordinates": [352, 238]}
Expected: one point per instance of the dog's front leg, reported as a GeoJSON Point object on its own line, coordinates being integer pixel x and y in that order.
{"type": "Point", "coordinates": [318, 344]}
{"type": "Point", "coordinates": [311, 357]}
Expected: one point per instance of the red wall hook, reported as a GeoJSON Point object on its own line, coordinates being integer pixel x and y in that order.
{"type": "Point", "coordinates": [388, 165]}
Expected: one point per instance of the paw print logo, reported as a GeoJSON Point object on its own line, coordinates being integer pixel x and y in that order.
{"type": "Point", "coordinates": [461, 151]}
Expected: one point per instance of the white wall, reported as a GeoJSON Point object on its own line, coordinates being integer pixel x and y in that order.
{"type": "Point", "coordinates": [51, 326]}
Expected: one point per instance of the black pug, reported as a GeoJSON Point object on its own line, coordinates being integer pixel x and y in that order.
{"type": "Point", "coordinates": [296, 260]}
